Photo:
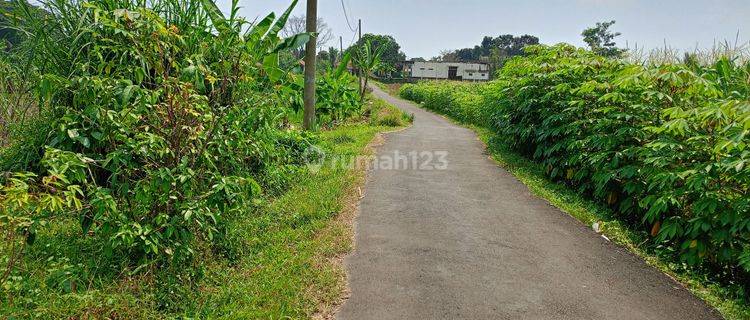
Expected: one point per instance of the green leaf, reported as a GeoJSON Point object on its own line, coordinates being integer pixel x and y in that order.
{"type": "Point", "coordinates": [217, 17]}
{"type": "Point", "coordinates": [84, 141]}
{"type": "Point", "coordinates": [293, 42]}
{"type": "Point", "coordinates": [127, 94]}
{"type": "Point", "coordinates": [343, 64]}
{"type": "Point", "coordinates": [271, 66]}
{"type": "Point", "coordinates": [262, 27]}
{"type": "Point", "coordinates": [86, 221]}
{"type": "Point", "coordinates": [281, 22]}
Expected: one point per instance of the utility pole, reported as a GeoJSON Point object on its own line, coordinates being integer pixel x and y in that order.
{"type": "Point", "coordinates": [341, 48]}
{"type": "Point", "coordinates": [359, 70]}
{"type": "Point", "coordinates": [308, 121]}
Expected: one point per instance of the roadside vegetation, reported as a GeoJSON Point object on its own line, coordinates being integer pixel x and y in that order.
{"type": "Point", "coordinates": [654, 153]}
{"type": "Point", "coordinates": [153, 164]}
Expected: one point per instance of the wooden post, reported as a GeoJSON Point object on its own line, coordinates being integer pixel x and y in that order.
{"type": "Point", "coordinates": [359, 70]}
{"type": "Point", "coordinates": [308, 121]}
{"type": "Point", "coordinates": [341, 48]}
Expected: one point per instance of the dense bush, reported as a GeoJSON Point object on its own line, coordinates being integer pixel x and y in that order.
{"type": "Point", "coordinates": [665, 146]}
{"type": "Point", "coordinates": [464, 101]}
{"type": "Point", "coordinates": [162, 119]}
{"type": "Point", "coordinates": [338, 97]}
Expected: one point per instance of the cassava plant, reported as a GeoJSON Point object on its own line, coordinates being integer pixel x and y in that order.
{"type": "Point", "coordinates": [664, 145]}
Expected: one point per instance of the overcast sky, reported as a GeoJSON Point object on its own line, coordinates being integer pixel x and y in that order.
{"type": "Point", "coordinates": [425, 27]}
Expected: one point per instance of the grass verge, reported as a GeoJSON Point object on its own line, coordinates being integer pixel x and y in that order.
{"type": "Point", "coordinates": [390, 88]}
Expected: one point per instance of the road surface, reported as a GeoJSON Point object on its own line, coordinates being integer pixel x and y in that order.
{"type": "Point", "coordinates": [468, 241]}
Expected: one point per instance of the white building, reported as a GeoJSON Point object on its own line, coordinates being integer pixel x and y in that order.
{"type": "Point", "coordinates": [448, 70]}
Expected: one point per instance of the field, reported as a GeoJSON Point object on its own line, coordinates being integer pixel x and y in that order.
{"type": "Point", "coordinates": [660, 149]}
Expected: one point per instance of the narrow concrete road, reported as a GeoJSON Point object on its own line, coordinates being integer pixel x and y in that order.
{"type": "Point", "coordinates": [471, 242]}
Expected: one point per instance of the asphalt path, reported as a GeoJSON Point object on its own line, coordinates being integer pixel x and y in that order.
{"type": "Point", "coordinates": [447, 234]}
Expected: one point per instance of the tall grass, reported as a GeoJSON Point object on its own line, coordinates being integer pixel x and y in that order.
{"type": "Point", "coordinates": [735, 51]}
{"type": "Point", "coordinates": [17, 101]}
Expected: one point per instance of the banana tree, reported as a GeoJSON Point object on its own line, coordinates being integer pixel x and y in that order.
{"type": "Point", "coordinates": [367, 60]}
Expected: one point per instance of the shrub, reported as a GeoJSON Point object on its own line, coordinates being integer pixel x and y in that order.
{"type": "Point", "coordinates": [337, 94]}
{"type": "Point", "coordinates": [163, 117]}
{"type": "Point", "coordinates": [463, 101]}
{"type": "Point", "coordinates": [664, 145]}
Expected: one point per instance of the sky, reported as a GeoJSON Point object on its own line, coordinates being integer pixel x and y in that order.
{"type": "Point", "coordinates": [423, 28]}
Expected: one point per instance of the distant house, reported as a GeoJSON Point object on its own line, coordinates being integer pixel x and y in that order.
{"type": "Point", "coordinates": [471, 71]}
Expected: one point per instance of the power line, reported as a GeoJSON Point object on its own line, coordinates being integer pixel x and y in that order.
{"type": "Point", "coordinates": [354, 36]}
{"type": "Point", "coordinates": [347, 17]}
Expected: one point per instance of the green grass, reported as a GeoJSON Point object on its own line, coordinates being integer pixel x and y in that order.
{"type": "Point", "coordinates": [381, 85]}
{"type": "Point", "coordinates": [391, 88]}
{"type": "Point", "coordinates": [384, 114]}
{"type": "Point", "coordinates": [286, 253]}
{"type": "Point", "coordinates": [289, 270]}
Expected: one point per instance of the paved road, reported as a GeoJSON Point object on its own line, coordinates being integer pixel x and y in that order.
{"type": "Point", "coordinates": [471, 242]}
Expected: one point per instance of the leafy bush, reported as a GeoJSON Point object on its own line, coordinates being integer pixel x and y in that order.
{"type": "Point", "coordinates": [666, 145]}
{"type": "Point", "coordinates": [159, 134]}
{"type": "Point", "coordinates": [337, 94]}
{"type": "Point", "coordinates": [164, 115]}
{"type": "Point", "coordinates": [461, 100]}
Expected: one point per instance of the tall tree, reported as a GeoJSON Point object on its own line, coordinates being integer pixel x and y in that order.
{"type": "Point", "coordinates": [492, 50]}
{"type": "Point", "coordinates": [391, 51]}
{"type": "Point", "coordinates": [601, 40]}
{"type": "Point", "coordinates": [333, 55]}
{"type": "Point", "coordinates": [505, 46]}
{"type": "Point", "coordinates": [297, 25]}
{"type": "Point", "coordinates": [324, 60]}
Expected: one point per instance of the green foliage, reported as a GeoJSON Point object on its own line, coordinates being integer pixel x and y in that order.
{"type": "Point", "coordinates": [390, 49]}
{"type": "Point", "coordinates": [664, 146]}
{"type": "Point", "coordinates": [384, 114]}
{"type": "Point", "coordinates": [337, 94]}
{"type": "Point", "coordinates": [493, 50]}
{"type": "Point", "coordinates": [23, 126]}
{"type": "Point", "coordinates": [141, 144]}
{"type": "Point", "coordinates": [165, 120]}
{"type": "Point", "coordinates": [8, 35]}
{"type": "Point", "coordinates": [328, 58]}
{"type": "Point", "coordinates": [368, 59]}
{"type": "Point", "coordinates": [461, 100]}
{"type": "Point", "coordinates": [601, 40]}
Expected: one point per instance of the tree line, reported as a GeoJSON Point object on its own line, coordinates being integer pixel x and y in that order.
{"type": "Point", "coordinates": [494, 51]}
